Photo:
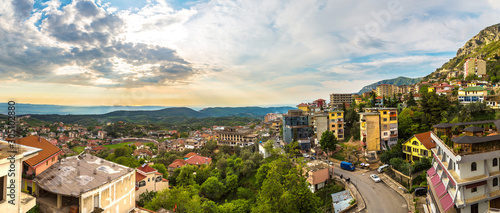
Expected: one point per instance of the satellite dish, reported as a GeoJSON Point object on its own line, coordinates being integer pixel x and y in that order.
{"type": "Point", "coordinates": [459, 158]}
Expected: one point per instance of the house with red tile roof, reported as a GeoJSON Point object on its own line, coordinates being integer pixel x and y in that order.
{"type": "Point", "coordinates": [178, 163]}
{"type": "Point", "coordinates": [419, 146]}
{"type": "Point", "coordinates": [37, 164]}
{"type": "Point", "coordinates": [143, 153]}
{"type": "Point", "coordinates": [148, 179]}
{"type": "Point", "coordinates": [199, 160]}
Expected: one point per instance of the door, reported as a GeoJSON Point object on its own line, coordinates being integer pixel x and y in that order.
{"type": "Point", "coordinates": [474, 208]}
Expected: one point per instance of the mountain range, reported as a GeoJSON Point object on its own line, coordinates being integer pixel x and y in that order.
{"type": "Point", "coordinates": [395, 81]}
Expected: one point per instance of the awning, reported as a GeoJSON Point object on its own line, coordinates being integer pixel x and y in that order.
{"type": "Point", "coordinates": [476, 184]}
{"type": "Point", "coordinates": [431, 172]}
{"type": "Point", "coordinates": [435, 180]}
{"type": "Point", "coordinates": [446, 202]}
{"type": "Point", "coordinates": [440, 190]}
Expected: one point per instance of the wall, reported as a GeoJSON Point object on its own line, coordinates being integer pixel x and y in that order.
{"type": "Point", "coordinates": [372, 133]}
{"type": "Point", "coordinates": [465, 169]}
{"type": "Point", "coordinates": [5, 165]}
{"type": "Point", "coordinates": [117, 196]}
{"type": "Point", "coordinates": [43, 166]}
{"type": "Point", "coordinates": [481, 190]}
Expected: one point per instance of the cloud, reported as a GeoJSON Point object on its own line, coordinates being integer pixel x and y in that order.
{"type": "Point", "coordinates": [83, 36]}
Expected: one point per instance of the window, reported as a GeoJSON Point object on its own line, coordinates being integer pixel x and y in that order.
{"type": "Point", "coordinates": [473, 166]}
{"type": "Point", "coordinates": [46, 163]}
{"type": "Point", "coordinates": [385, 133]}
{"type": "Point", "coordinates": [473, 189]}
{"type": "Point", "coordinates": [159, 179]}
{"type": "Point", "coordinates": [53, 159]}
{"type": "Point", "coordinates": [142, 183]}
{"type": "Point", "coordinates": [415, 143]}
{"type": "Point", "coordinates": [495, 181]}
{"type": "Point", "coordinates": [385, 112]}
{"type": "Point", "coordinates": [333, 125]}
{"type": "Point", "coordinates": [495, 162]}
{"type": "Point", "coordinates": [385, 119]}
{"type": "Point", "coordinates": [148, 179]}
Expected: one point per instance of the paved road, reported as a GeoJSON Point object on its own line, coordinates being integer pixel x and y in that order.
{"type": "Point", "coordinates": [378, 197]}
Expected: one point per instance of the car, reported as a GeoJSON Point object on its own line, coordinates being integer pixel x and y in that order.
{"type": "Point", "coordinates": [305, 155]}
{"type": "Point", "coordinates": [313, 158]}
{"type": "Point", "coordinates": [375, 178]}
{"type": "Point", "coordinates": [383, 168]}
{"type": "Point", "coordinates": [420, 191]}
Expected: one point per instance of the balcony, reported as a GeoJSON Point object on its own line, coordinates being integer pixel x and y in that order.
{"type": "Point", "coordinates": [27, 202]}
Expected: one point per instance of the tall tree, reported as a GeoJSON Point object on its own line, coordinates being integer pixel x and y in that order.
{"type": "Point", "coordinates": [328, 141]}
{"type": "Point", "coordinates": [411, 100]}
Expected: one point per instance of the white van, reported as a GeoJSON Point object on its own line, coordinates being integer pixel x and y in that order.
{"type": "Point", "coordinates": [383, 168]}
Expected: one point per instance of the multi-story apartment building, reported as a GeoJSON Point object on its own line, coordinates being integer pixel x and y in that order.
{"type": "Point", "coordinates": [465, 173]}
{"type": "Point", "coordinates": [320, 103]}
{"type": "Point", "coordinates": [387, 90]}
{"type": "Point", "coordinates": [270, 117]}
{"type": "Point", "coordinates": [236, 137]}
{"type": "Point", "coordinates": [472, 94]}
{"type": "Point", "coordinates": [296, 126]}
{"type": "Point", "coordinates": [320, 124]}
{"type": "Point", "coordinates": [379, 128]}
{"type": "Point", "coordinates": [474, 66]}
{"type": "Point", "coordinates": [336, 125]}
{"type": "Point", "coordinates": [337, 99]}
{"type": "Point", "coordinates": [148, 179]}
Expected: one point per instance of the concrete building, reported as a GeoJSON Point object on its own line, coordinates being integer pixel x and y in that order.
{"type": "Point", "coordinates": [318, 172]}
{"type": "Point", "coordinates": [472, 94]}
{"type": "Point", "coordinates": [236, 137]}
{"type": "Point", "coordinates": [149, 179]}
{"type": "Point", "coordinates": [270, 117]}
{"type": "Point", "coordinates": [379, 128]}
{"type": "Point", "coordinates": [320, 103]}
{"type": "Point", "coordinates": [465, 174]}
{"type": "Point", "coordinates": [337, 99]}
{"type": "Point", "coordinates": [473, 66]}
{"type": "Point", "coordinates": [387, 90]}
{"type": "Point", "coordinates": [12, 198]}
{"type": "Point", "coordinates": [86, 183]}
{"type": "Point", "coordinates": [320, 125]}
{"type": "Point", "coordinates": [336, 123]}
{"type": "Point", "coordinates": [296, 126]}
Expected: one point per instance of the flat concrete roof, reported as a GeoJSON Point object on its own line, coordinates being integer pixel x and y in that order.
{"type": "Point", "coordinates": [75, 175]}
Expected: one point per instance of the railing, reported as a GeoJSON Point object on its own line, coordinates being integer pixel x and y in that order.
{"type": "Point", "coordinates": [493, 210]}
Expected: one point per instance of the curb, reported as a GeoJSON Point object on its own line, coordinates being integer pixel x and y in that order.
{"type": "Point", "coordinates": [409, 202]}
{"type": "Point", "coordinates": [351, 187]}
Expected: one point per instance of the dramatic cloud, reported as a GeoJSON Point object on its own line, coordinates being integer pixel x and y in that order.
{"type": "Point", "coordinates": [274, 51]}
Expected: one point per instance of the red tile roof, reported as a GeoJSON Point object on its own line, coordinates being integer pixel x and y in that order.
{"type": "Point", "coordinates": [188, 155]}
{"type": "Point", "coordinates": [425, 139]}
{"type": "Point", "coordinates": [177, 163]}
{"type": "Point", "coordinates": [197, 160]}
{"type": "Point", "coordinates": [98, 148]}
{"type": "Point", "coordinates": [48, 149]}
{"type": "Point", "coordinates": [302, 104]}
{"type": "Point", "coordinates": [139, 176]}
{"type": "Point", "coordinates": [146, 169]}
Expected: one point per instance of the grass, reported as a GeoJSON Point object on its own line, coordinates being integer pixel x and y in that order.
{"type": "Point", "coordinates": [78, 149]}
{"type": "Point", "coordinates": [118, 145]}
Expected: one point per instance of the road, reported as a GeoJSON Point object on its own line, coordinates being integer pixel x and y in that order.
{"type": "Point", "coordinates": [378, 197]}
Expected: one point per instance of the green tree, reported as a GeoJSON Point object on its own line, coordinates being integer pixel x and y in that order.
{"type": "Point", "coordinates": [161, 169]}
{"type": "Point", "coordinates": [186, 176]}
{"type": "Point", "coordinates": [328, 141]}
{"type": "Point", "coordinates": [212, 188]}
{"type": "Point", "coordinates": [231, 183]}
{"type": "Point", "coordinates": [146, 197]}
{"type": "Point", "coordinates": [411, 100]}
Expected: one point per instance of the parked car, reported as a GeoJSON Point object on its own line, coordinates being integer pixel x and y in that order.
{"type": "Point", "coordinates": [305, 155]}
{"type": "Point", "coordinates": [420, 191]}
{"type": "Point", "coordinates": [375, 178]}
{"type": "Point", "coordinates": [383, 168]}
{"type": "Point", "coordinates": [313, 158]}
{"type": "Point", "coordinates": [347, 166]}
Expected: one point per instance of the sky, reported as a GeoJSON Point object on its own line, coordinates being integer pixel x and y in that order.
{"type": "Point", "coordinates": [202, 53]}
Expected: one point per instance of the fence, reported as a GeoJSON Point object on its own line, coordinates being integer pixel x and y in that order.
{"type": "Point", "coordinates": [402, 178]}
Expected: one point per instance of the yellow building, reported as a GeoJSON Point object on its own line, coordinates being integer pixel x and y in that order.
{"type": "Point", "coordinates": [431, 89]}
{"type": "Point", "coordinates": [304, 107]}
{"type": "Point", "coordinates": [336, 120]}
{"type": "Point", "coordinates": [379, 128]}
{"type": "Point", "coordinates": [419, 146]}
{"type": "Point", "coordinates": [472, 94]}
{"type": "Point", "coordinates": [386, 90]}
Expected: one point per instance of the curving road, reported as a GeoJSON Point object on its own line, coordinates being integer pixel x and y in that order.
{"type": "Point", "coordinates": [379, 198]}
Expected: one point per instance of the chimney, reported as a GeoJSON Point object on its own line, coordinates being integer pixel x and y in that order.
{"type": "Point", "coordinates": [39, 138]}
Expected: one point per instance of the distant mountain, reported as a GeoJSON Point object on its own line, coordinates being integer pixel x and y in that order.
{"type": "Point", "coordinates": [167, 112]}
{"type": "Point", "coordinates": [23, 109]}
{"type": "Point", "coordinates": [485, 45]}
{"type": "Point", "coordinates": [395, 81]}
{"type": "Point", "coordinates": [242, 111]}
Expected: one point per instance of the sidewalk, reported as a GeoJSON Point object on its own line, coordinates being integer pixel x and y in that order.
{"type": "Point", "coordinates": [400, 189]}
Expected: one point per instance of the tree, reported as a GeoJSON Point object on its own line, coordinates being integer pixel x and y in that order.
{"type": "Point", "coordinates": [161, 169]}
{"type": "Point", "coordinates": [212, 188]}
{"type": "Point", "coordinates": [146, 197]}
{"type": "Point", "coordinates": [328, 141]}
{"type": "Point", "coordinates": [231, 183]}
{"type": "Point", "coordinates": [411, 100]}
{"type": "Point", "coordinates": [186, 176]}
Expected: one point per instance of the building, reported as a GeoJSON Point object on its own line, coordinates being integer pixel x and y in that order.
{"type": "Point", "coordinates": [465, 174]}
{"type": "Point", "coordinates": [337, 99]}
{"type": "Point", "coordinates": [262, 150]}
{"type": "Point", "coordinates": [147, 178]}
{"type": "Point", "coordinates": [336, 123]}
{"type": "Point", "coordinates": [379, 128]}
{"type": "Point", "coordinates": [418, 146]}
{"type": "Point", "coordinates": [318, 172]}
{"type": "Point", "coordinates": [178, 163]}
{"type": "Point", "coordinates": [296, 126]}
{"type": "Point", "coordinates": [320, 124]}
{"type": "Point", "coordinates": [32, 167]}
{"type": "Point", "coordinates": [236, 137]}
{"type": "Point", "coordinates": [87, 183]}
{"type": "Point", "coordinates": [474, 66]}
{"type": "Point", "coordinates": [320, 103]}
{"type": "Point", "coordinates": [472, 94]}
{"type": "Point", "coordinates": [304, 107]}
{"type": "Point", "coordinates": [12, 198]}
{"type": "Point", "coordinates": [270, 117]}
{"type": "Point", "coordinates": [387, 90]}
{"type": "Point", "coordinates": [101, 134]}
